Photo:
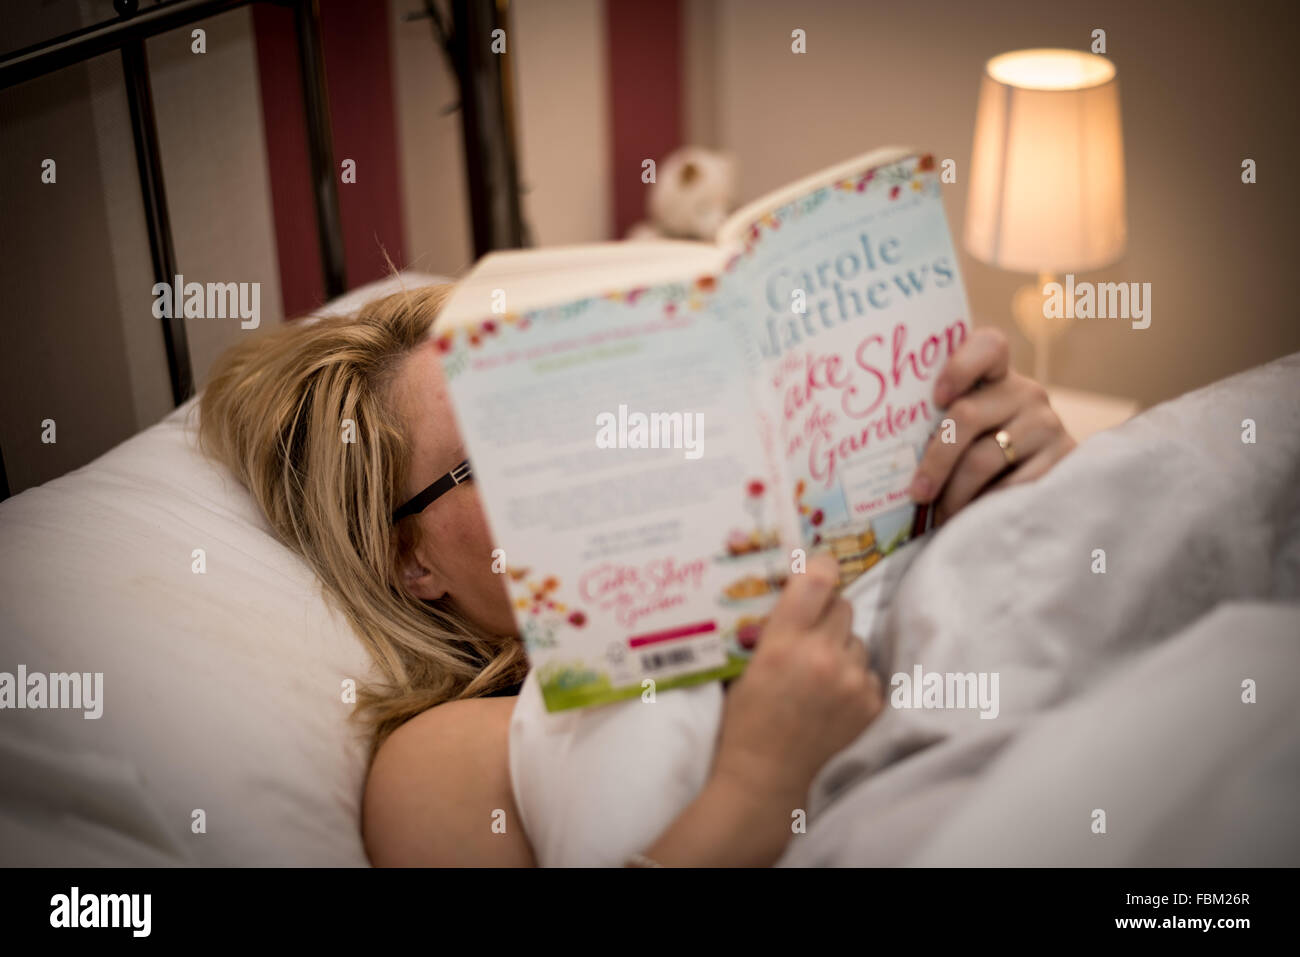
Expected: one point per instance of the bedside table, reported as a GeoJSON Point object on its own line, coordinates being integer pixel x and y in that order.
{"type": "Point", "coordinates": [1087, 413]}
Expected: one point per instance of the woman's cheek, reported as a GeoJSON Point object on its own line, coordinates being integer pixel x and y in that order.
{"type": "Point", "coordinates": [493, 597]}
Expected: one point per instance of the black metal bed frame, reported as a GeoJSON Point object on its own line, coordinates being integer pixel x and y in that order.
{"type": "Point", "coordinates": [487, 128]}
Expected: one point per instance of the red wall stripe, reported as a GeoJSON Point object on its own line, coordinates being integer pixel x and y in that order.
{"type": "Point", "coordinates": [358, 70]}
{"type": "Point", "coordinates": [644, 45]}
{"type": "Point", "coordinates": [302, 282]}
{"type": "Point", "coordinates": [363, 107]}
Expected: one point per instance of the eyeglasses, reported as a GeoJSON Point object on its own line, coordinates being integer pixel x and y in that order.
{"type": "Point", "coordinates": [457, 476]}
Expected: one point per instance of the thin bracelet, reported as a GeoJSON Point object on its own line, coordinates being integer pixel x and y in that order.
{"type": "Point", "coordinates": [640, 860]}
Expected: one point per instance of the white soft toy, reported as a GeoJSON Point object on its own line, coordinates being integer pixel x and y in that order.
{"type": "Point", "coordinates": [693, 191]}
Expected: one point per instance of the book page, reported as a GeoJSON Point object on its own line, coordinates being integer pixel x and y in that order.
{"type": "Point", "coordinates": [518, 279]}
{"type": "Point", "coordinates": [617, 454]}
{"type": "Point", "coordinates": [850, 303]}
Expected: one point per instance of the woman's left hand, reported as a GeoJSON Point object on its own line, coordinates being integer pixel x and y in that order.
{"type": "Point", "coordinates": [984, 399]}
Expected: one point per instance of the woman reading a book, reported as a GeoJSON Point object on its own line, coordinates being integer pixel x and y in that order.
{"type": "Point", "coordinates": [334, 426]}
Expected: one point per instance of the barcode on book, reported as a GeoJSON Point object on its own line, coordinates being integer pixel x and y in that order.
{"type": "Point", "coordinates": [670, 658]}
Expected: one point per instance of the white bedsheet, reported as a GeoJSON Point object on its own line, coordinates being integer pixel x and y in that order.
{"type": "Point", "coordinates": [1119, 692]}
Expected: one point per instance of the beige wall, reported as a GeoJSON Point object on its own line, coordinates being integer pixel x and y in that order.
{"type": "Point", "coordinates": [127, 253]}
{"type": "Point", "coordinates": [1200, 91]}
{"type": "Point", "coordinates": [700, 63]}
{"type": "Point", "coordinates": [563, 123]}
{"type": "Point", "coordinates": [62, 350]}
{"type": "Point", "coordinates": [213, 147]}
{"type": "Point", "coordinates": [434, 210]}
{"type": "Point", "coordinates": [79, 343]}
{"type": "Point", "coordinates": [557, 52]}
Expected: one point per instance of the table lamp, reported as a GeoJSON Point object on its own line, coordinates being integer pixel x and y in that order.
{"type": "Point", "coordinates": [1047, 176]}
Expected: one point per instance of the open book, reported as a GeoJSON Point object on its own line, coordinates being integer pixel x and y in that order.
{"type": "Point", "coordinates": [662, 432]}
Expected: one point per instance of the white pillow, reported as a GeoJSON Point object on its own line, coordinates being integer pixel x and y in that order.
{"type": "Point", "coordinates": [222, 691]}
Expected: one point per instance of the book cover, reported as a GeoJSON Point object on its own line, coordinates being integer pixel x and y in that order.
{"type": "Point", "coordinates": [660, 438]}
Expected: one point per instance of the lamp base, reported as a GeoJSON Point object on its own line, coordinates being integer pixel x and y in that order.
{"type": "Point", "coordinates": [1027, 310]}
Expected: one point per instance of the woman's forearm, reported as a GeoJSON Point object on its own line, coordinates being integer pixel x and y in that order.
{"type": "Point", "coordinates": [730, 824]}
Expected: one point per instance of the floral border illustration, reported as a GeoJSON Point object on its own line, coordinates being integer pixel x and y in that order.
{"type": "Point", "coordinates": [894, 177]}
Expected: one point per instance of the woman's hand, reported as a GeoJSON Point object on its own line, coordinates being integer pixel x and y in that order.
{"type": "Point", "coordinates": [806, 694]}
{"type": "Point", "coordinates": [983, 397]}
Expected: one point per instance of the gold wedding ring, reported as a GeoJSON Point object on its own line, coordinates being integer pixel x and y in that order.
{"type": "Point", "coordinates": [1003, 439]}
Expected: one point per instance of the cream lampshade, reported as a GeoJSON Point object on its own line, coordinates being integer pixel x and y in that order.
{"type": "Point", "coordinates": [1047, 174]}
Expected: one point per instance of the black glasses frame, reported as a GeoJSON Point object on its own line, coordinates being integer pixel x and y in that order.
{"type": "Point", "coordinates": [457, 476]}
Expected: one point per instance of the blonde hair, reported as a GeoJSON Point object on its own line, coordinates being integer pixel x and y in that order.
{"type": "Point", "coordinates": [273, 412]}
